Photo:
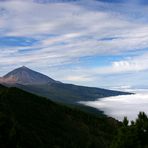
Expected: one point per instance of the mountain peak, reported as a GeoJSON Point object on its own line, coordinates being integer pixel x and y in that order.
{"type": "Point", "coordinates": [24, 67]}
{"type": "Point", "coordinates": [24, 75]}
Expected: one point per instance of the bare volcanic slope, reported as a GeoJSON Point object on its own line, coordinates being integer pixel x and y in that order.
{"type": "Point", "coordinates": [37, 83]}
{"type": "Point", "coordinates": [25, 76]}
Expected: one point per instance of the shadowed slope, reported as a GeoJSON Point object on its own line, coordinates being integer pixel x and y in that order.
{"type": "Point", "coordinates": [35, 122]}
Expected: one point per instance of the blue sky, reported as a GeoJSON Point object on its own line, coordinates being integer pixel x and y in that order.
{"type": "Point", "coordinates": [101, 43]}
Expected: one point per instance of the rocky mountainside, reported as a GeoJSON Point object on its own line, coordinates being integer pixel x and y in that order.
{"type": "Point", "coordinates": [37, 83]}
{"type": "Point", "coordinates": [26, 76]}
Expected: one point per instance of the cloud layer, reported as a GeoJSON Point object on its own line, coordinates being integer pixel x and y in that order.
{"type": "Point", "coordinates": [122, 106]}
{"type": "Point", "coordinates": [51, 35]}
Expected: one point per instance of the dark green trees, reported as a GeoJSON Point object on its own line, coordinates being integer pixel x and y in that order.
{"type": "Point", "coordinates": [134, 135]}
{"type": "Point", "coordinates": [29, 121]}
{"type": "Point", "coordinates": [8, 132]}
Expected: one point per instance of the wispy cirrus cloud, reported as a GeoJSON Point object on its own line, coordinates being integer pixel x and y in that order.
{"type": "Point", "coordinates": [43, 34]}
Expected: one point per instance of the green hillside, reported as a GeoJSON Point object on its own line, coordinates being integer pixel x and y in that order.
{"type": "Point", "coordinates": [29, 121]}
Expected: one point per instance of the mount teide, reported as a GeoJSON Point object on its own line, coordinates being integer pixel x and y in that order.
{"type": "Point", "coordinates": [25, 76]}
{"type": "Point", "coordinates": [37, 83]}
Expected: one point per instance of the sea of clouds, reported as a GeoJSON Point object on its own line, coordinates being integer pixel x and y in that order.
{"type": "Point", "coordinates": [121, 106]}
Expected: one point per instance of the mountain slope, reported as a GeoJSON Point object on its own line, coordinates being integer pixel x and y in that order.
{"type": "Point", "coordinates": [42, 85]}
{"type": "Point", "coordinates": [69, 93]}
{"type": "Point", "coordinates": [29, 121]}
{"type": "Point", "coordinates": [26, 76]}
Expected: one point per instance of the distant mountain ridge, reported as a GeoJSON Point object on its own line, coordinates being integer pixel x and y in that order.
{"type": "Point", "coordinates": [42, 85]}
{"type": "Point", "coordinates": [26, 76]}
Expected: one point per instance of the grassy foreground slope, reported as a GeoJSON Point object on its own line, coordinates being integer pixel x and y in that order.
{"type": "Point", "coordinates": [29, 121]}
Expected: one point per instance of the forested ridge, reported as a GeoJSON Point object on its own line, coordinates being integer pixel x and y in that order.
{"type": "Point", "coordinates": [29, 121]}
{"type": "Point", "coordinates": [132, 134]}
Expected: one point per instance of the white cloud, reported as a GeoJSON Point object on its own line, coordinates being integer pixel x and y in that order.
{"type": "Point", "coordinates": [128, 72]}
{"type": "Point", "coordinates": [78, 79]}
{"type": "Point", "coordinates": [121, 106]}
{"type": "Point", "coordinates": [69, 31]}
{"type": "Point", "coordinates": [135, 64]}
